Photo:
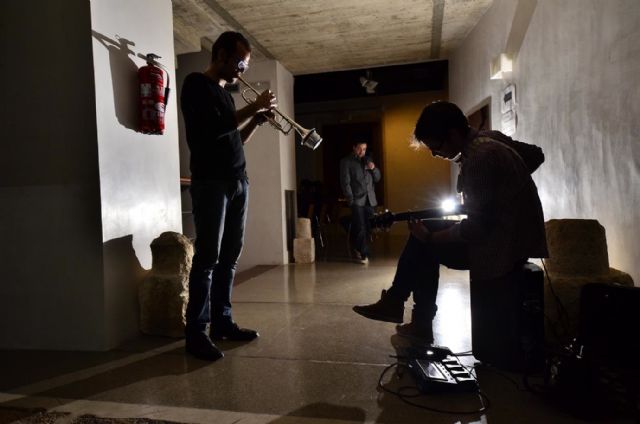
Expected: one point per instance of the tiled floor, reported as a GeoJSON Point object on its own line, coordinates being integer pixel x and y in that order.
{"type": "Point", "coordinates": [316, 362]}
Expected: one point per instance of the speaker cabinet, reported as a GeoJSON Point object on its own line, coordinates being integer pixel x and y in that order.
{"type": "Point", "coordinates": [507, 319]}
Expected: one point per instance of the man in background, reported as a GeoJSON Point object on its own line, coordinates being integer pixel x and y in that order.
{"type": "Point", "coordinates": [358, 173]}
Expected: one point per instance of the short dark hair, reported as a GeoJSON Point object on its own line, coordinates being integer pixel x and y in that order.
{"type": "Point", "coordinates": [227, 42]}
{"type": "Point", "coordinates": [437, 119]}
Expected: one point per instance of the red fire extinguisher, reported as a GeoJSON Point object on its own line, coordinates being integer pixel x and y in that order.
{"type": "Point", "coordinates": [154, 95]}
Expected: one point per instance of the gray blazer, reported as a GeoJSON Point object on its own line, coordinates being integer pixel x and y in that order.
{"type": "Point", "coordinates": [357, 182]}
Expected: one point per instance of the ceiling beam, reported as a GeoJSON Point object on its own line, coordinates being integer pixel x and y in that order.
{"type": "Point", "coordinates": [213, 4]}
{"type": "Point", "coordinates": [437, 17]}
{"type": "Point", "coordinates": [186, 41]}
{"type": "Point", "coordinates": [519, 26]}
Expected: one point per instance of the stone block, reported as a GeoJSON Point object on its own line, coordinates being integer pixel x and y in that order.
{"type": "Point", "coordinates": [163, 304]}
{"type": "Point", "coordinates": [164, 293]}
{"type": "Point", "coordinates": [562, 302]}
{"type": "Point", "coordinates": [577, 247]}
{"type": "Point", "coordinates": [172, 254]}
{"type": "Point", "coordinates": [304, 250]}
{"type": "Point", "coordinates": [578, 256]}
{"type": "Point", "coordinates": [303, 228]}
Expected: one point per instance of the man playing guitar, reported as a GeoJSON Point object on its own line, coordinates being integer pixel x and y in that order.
{"type": "Point", "coordinates": [504, 225]}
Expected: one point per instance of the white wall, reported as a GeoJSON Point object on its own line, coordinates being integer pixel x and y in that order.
{"type": "Point", "coordinates": [270, 163]}
{"type": "Point", "coordinates": [577, 78]}
{"type": "Point", "coordinates": [81, 194]}
{"type": "Point", "coordinates": [267, 154]}
{"type": "Point", "coordinates": [139, 173]}
{"type": "Point", "coordinates": [287, 146]}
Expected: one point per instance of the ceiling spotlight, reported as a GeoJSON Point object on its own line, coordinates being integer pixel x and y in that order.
{"type": "Point", "coordinates": [368, 84]}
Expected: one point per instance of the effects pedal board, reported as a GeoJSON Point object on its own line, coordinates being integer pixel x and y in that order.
{"type": "Point", "coordinates": [435, 369]}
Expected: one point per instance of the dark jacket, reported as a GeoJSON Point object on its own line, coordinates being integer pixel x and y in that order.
{"type": "Point", "coordinates": [357, 182]}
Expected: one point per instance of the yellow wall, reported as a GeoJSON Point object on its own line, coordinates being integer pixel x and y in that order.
{"type": "Point", "coordinates": [413, 178]}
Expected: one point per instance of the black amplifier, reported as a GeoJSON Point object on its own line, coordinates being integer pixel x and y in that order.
{"type": "Point", "coordinates": [507, 319]}
{"type": "Point", "coordinates": [609, 320]}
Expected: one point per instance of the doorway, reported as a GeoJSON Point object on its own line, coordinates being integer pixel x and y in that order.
{"type": "Point", "coordinates": [481, 118]}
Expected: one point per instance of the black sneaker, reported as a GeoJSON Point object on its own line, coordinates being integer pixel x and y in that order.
{"type": "Point", "coordinates": [233, 332]}
{"type": "Point", "coordinates": [387, 309]}
{"type": "Point", "coordinates": [201, 346]}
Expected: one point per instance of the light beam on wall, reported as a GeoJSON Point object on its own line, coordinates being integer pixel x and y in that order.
{"type": "Point", "coordinates": [500, 65]}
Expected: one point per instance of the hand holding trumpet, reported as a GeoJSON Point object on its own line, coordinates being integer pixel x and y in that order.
{"type": "Point", "coordinates": [266, 101]}
{"type": "Point", "coordinates": [264, 117]}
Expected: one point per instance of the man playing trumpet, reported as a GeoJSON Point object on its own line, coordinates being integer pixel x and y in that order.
{"type": "Point", "coordinates": [216, 133]}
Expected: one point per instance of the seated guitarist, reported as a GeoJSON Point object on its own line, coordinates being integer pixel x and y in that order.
{"type": "Point", "coordinates": [504, 225]}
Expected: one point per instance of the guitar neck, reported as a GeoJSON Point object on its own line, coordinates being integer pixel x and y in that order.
{"type": "Point", "coordinates": [385, 220]}
{"type": "Point", "coordinates": [426, 214]}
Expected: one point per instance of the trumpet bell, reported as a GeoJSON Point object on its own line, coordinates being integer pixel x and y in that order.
{"type": "Point", "coordinates": [311, 139]}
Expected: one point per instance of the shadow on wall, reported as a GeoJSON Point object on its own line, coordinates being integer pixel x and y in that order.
{"type": "Point", "coordinates": [123, 275]}
{"type": "Point", "coordinates": [121, 262]}
{"type": "Point", "coordinates": [124, 77]}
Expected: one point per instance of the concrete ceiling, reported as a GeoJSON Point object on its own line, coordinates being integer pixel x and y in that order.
{"type": "Point", "coordinates": [314, 36]}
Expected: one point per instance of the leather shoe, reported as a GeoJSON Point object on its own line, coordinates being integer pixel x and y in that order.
{"type": "Point", "coordinates": [233, 332]}
{"type": "Point", "coordinates": [201, 346]}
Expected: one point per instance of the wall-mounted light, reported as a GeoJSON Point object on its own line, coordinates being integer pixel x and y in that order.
{"type": "Point", "coordinates": [500, 65]}
{"type": "Point", "coordinates": [368, 83]}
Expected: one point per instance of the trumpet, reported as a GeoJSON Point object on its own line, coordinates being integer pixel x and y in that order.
{"type": "Point", "coordinates": [284, 124]}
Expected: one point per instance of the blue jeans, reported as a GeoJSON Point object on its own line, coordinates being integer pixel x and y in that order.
{"type": "Point", "coordinates": [418, 271]}
{"type": "Point", "coordinates": [219, 212]}
{"type": "Point", "coordinates": [360, 228]}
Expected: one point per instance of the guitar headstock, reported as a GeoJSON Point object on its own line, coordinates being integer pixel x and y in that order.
{"type": "Point", "coordinates": [382, 220]}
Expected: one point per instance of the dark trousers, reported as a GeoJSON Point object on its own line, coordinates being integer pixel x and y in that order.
{"type": "Point", "coordinates": [219, 212]}
{"type": "Point", "coordinates": [360, 228]}
{"type": "Point", "coordinates": [418, 271]}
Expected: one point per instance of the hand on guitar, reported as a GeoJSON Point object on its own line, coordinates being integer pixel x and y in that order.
{"type": "Point", "coordinates": [419, 230]}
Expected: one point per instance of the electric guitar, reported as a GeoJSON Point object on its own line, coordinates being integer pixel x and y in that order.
{"type": "Point", "coordinates": [384, 220]}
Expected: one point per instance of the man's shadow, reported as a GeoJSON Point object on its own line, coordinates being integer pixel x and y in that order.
{"type": "Point", "coordinates": [323, 410]}
{"type": "Point", "coordinates": [124, 78]}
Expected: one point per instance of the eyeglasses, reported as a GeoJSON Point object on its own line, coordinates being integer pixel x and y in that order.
{"type": "Point", "coordinates": [243, 65]}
